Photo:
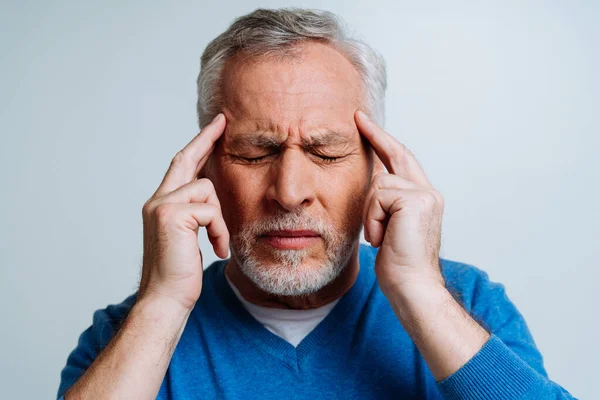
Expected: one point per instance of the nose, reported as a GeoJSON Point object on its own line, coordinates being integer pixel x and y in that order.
{"type": "Point", "coordinates": [292, 180]}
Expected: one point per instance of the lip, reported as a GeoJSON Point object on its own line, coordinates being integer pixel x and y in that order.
{"type": "Point", "coordinates": [290, 239]}
{"type": "Point", "coordinates": [292, 233]}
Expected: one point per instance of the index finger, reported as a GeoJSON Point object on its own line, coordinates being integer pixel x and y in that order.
{"type": "Point", "coordinates": [396, 157]}
{"type": "Point", "coordinates": [188, 161]}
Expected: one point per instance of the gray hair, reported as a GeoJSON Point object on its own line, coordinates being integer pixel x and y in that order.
{"type": "Point", "coordinates": [274, 32]}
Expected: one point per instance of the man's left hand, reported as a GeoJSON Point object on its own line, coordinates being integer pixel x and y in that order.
{"type": "Point", "coordinates": [402, 215]}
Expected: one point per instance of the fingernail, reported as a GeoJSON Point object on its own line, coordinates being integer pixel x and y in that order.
{"type": "Point", "coordinates": [363, 115]}
{"type": "Point", "coordinates": [217, 118]}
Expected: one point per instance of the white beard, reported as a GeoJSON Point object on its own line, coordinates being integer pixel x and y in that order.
{"type": "Point", "coordinates": [288, 276]}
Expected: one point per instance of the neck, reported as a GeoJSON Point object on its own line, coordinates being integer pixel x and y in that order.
{"type": "Point", "coordinates": [330, 292]}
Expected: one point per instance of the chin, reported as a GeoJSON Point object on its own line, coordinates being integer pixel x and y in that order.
{"type": "Point", "coordinates": [290, 272]}
{"type": "Point", "coordinates": [291, 266]}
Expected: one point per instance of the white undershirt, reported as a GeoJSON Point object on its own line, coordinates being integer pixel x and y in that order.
{"type": "Point", "coordinates": [291, 325]}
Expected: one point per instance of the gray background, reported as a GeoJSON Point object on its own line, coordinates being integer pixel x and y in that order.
{"type": "Point", "coordinates": [496, 100]}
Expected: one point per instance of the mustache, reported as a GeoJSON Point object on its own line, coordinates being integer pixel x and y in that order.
{"type": "Point", "coordinates": [280, 221]}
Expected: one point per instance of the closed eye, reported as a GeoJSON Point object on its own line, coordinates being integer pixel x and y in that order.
{"type": "Point", "coordinates": [328, 159]}
{"type": "Point", "coordinates": [254, 160]}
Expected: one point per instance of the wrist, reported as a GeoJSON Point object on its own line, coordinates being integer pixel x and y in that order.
{"type": "Point", "coordinates": [161, 296]}
{"type": "Point", "coordinates": [411, 283]}
{"type": "Point", "coordinates": [418, 298]}
{"type": "Point", "coordinates": [161, 309]}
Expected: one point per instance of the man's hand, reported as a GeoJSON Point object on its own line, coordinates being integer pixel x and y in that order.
{"type": "Point", "coordinates": [403, 216]}
{"type": "Point", "coordinates": [172, 262]}
{"type": "Point", "coordinates": [134, 363]}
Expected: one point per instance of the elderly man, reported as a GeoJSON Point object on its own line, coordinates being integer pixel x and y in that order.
{"type": "Point", "coordinates": [290, 164]}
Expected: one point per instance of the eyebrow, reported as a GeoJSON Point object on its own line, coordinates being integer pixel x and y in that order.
{"type": "Point", "coordinates": [255, 140]}
{"type": "Point", "coordinates": [325, 138]}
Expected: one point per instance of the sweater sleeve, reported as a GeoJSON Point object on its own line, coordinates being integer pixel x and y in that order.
{"type": "Point", "coordinates": [509, 365]}
{"type": "Point", "coordinates": [92, 341]}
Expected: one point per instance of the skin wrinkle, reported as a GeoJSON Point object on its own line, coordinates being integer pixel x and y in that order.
{"type": "Point", "coordinates": [264, 139]}
{"type": "Point", "coordinates": [326, 144]}
{"type": "Point", "coordinates": [237, 68]}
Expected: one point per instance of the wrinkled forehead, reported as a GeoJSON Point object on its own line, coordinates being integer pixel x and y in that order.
{"type": "Point", "coordinates": [308, 95]}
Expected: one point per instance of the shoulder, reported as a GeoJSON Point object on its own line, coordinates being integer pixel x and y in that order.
{"type": "Point", "coordinates": [105, 323]}
{"type": "Point", "coordinates": [488, 303]}
{"type": "Point", "coordinates": [484, 299]}
{"type": "Point", "coordinates": [469, 284]}
{"type": "Point", "coordinates": [109, 319]}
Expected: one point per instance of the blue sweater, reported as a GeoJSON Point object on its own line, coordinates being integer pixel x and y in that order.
{"type": "Point", "coordinates": [359, 351]}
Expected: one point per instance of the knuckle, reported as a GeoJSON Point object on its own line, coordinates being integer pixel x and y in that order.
{"type": "Point", "coordinates": [422, 200]}
{"type": "Point", "coordinates": [207, 183]}
{"type": "Point", "coordinates": [179, 158]}
{"type": "Point", "coordinates": [215, 219]}
{"type": "Point", "coordinates": [147, 208]}
{"type": "Point", "coordinates": [210, 208]}
{"type": "Point", "coordinates": [216, 211]}
{"type": "Point", "coordinates": [164, 211]}
{"type": "Point", "coordinates": [429, 198]}
{"type": "Point", "coordinates": [378, 180]}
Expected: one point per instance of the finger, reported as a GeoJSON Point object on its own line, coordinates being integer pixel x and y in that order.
{"type": "Point", "coordinates": [209, 216]}
{"type": "Point", "coordinates": [381, 207]}
{"type": "Point", "coordinates": [384, 181]}
{"type": "Point", "coordinates": [202, 162]}
{"type": "Point", "coordinates": [197, 191]}
{"type": "Point", "coordinates": [396, 157]}
{"type": "Point", "coordinates": [216, 229]}
{"type": "Point", "coordinates": [188, 161]}
{"type": "Point", "coordinates": [200, 191]}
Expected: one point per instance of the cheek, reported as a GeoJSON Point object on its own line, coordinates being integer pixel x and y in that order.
{"type": "Point", "coordinates": [343, 194]}
{"type": "Point", "coordinates": [240, 192]}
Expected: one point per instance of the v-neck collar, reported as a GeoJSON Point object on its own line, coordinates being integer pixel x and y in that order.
{"type": "Point", "coordinates": [340, 319]}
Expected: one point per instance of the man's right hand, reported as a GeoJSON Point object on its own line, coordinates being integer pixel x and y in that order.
{"type": "Point", "coordinates": [134, 363]}
{"type": "Point", "coordinates": [172, 261]}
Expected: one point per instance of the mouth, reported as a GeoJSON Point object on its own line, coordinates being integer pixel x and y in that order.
{"type": "Point", "coordinates": [291, 239]}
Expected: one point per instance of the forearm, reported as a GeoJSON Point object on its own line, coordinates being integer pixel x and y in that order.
{"type": "Point", "coordinates": [134, 363]}
{"type": "Point", "coordinates": [463, 358]}
{"type": "Point", "coordinates": [445, 334]}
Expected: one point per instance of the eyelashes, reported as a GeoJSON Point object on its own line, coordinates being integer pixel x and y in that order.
{"type": "Point", "coordinates": [256, 160]}
{"type": "Point", "coordinates": [328, 159]}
